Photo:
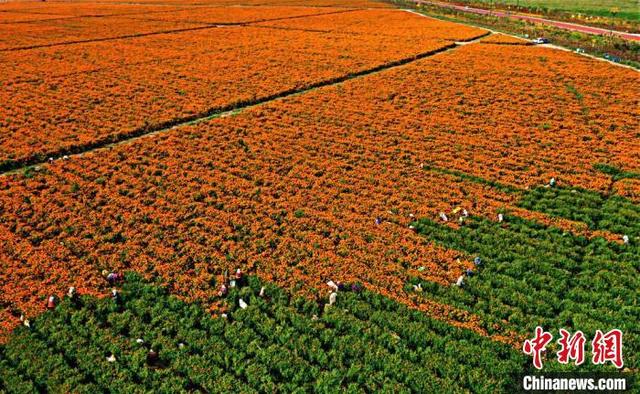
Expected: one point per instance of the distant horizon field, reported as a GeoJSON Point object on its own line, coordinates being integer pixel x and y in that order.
{"type": "Point", "coordinates": [627, 9]}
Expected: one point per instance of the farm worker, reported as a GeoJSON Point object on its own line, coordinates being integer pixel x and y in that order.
{"type": "Point", "coordinates": [469, 272]}
{"type": "Point", "coordinates": [72, 292]}
{"type": "Point", "coordinates": [181, 345]}
{"type": "Point", "coordinates": [552, 182]}
{"type": "Point", "coordinates": [332, 298]}
{"type": "Point", "coordinates": [460, 281]}
{"type": "Point", "coordinates": [500, 218]}
{"type": "Point", "coordinates": [239, 277]}
{"type": "Point", "coordinates": [111, 358]}
{"type": "Point", "coordinates": [465, 213]}
{"type": "Point", "coordinates": [139, 341]}
{"type": "Point", "coordinates": [444, 217]}
{"type": "Point", "coordinates": [461, 219]}
{"type": "Point", "coordinates": [356, 288]}
{"type": "Point", "coordinates": [625, 239]}
{"type": "Point", "coordinates": [152, 357]}
{"type": "Point", "coordinates": [25, 322]}
{"type": "Point", "coordinates": [477, 261]}
{"type": "Point", "coordinates": [115, 295]}
{"type": "Point", "coordinates": [332, 285]}
{"type": "Point", "coordinates": [223, 291]}
{"type": "Point", "coordinates": [242, 304]}
{"type": "Point", "coordinates": [114, 277]}
{"type": "Point", "coordinates": [417, 287]}
{"type": "Point", "coordinates": [51, 303]}
{"type": "Point", "coordinates": [411, 215]}
{"type": "Point", "coordinates": [261, 291]}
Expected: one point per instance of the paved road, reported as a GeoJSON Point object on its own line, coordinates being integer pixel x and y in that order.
{"type": "Point", "coordinates": [536, 19]}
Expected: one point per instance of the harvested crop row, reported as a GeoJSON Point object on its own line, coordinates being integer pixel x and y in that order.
{"type": "Point", "coordinates": [396, 24]}
{"type": "Point", "coordinates": [229, 66]}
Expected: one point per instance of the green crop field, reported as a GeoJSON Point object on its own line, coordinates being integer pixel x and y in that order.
{"type": "Point", "coordinates": [364, 342]}
{"type": "Point", "coordinates": [627, 9]}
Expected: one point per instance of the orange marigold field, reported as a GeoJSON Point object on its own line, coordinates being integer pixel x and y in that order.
{"type": "Point", "coordinates": [80, 19]}
{"type": "Point", "coordinates": [226, 15]}
{"type": "Point", "coordinates": [64, 30]}
{"type": "Point", "coordinates": [289, 190]}
{"type": "Point", "coordinates": [259, 3]}
{"type": "Point", "coordinates": [18, 36]}
{"type": "Point", "coordinates": [43, 267]}
{"type": "Point", "coordinates": [396, 23]}
{"type": "Point", "coordinates": [520, 115]}
{"type": "Point", "coordinates": [83, 102]}
{"type": "Point", "coordinates": [13, 17]}
{"type": "Point", "coordinates": [505, 40]}
{"type": "Point", "coordinates": [77, 9]}
{"type": "Point", "coordinates": [317, 186]}
{"type": "Point", "coordinates": [629, 188]}
{"type": "Point", "coordinates": [264, 191]}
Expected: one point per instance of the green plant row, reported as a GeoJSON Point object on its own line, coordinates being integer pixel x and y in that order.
{"type": "Point", "coordinates": [599, 212]}
{"type": "Point", "coordinates": [362, 343]}
{"type": "Point", "coordinates": [534, 275]}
